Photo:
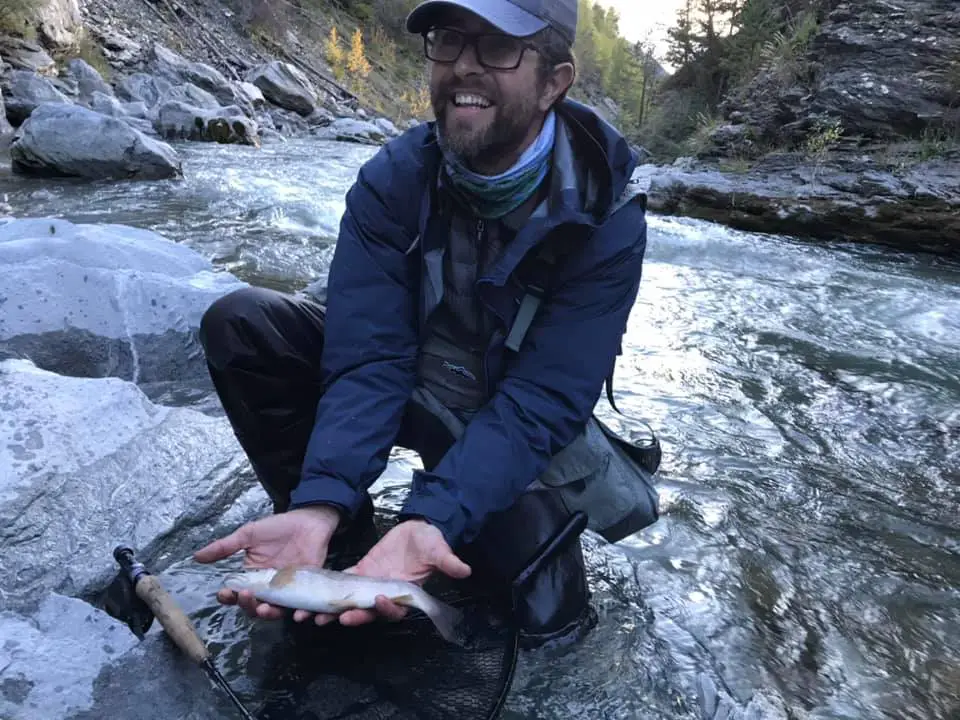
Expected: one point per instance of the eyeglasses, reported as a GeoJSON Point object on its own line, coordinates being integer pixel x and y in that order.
{"type": "Point", "coordinates": [495, 51]}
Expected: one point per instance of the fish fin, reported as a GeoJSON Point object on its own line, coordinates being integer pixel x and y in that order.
{"type": "Point", "coordinates": [283, 577]}
{"type": "Point", "coordinates": [403, 600]}
{"type": "Point", "coordinates": [446, 618]}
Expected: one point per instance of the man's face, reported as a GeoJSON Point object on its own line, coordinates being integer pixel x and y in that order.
{"type": "Point", "coordinates": [485, 114]}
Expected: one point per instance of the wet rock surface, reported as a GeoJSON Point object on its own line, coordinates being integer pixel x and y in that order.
{"type": "Point", "coordinates": [97, 301]}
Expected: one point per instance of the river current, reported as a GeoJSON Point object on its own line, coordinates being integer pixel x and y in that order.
{"type": "Point", "coordinates": [807, 396]}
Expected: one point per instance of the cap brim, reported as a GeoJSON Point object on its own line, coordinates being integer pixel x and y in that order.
{"type": "Point", "coordinates": [504, 16]}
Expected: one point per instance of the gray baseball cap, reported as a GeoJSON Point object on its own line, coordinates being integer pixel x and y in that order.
{"type": "Point", "coordinates": [521, 18]}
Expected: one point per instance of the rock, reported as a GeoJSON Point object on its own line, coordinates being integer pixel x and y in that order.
{"type": "Point", "coordinates": [388, 128]}
{"type": "Point", "coordinates": [27, 91]}
{"type": "Point", "coordinates": [177, 70]}
{"type": "Point", "coordinates": [177, 120]}
{"type": "Point", "coordinates": [107, 105]}
{"type": "Point", "coordinates": [911, 209]}
{"type": "Point", "coordinates": [26, 55]}
{"type": "Point", "coordinates": [70, 659]}
{"type": "Point", "coordinates": [70, 140]}
{"type": "Point", "coordinates": [64, 638]}
{"type": "Point", "coordinates": [885, 69]}
{"type": "Point", "coordinates": [252, 94]}
{"type": "Point", "coordinates": [104, 300]}
{"type": "Point", "coordinates": [140, 87]}
{"type": "Point", "coordinates": [189, 94]}
{"type": "Point", "coordinates": [5, 126]}
{"type": "Point", "coordinates": [90, 462]}
{"type": "Point", "coordinates": [348, 130]}
{"type": "Point", "coordinates": [285, 86]}
{"type": "Point", "coordinates": [59, 21]}
{"type": "Point", "coordinates": [88, 80]}
{"type": "Point", "coordinates": [118, 49]}
{"type": "Point", "coordinates": [321, 117]}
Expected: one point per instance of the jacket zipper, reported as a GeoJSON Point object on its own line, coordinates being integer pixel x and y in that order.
{"type": "Point", "coordinates": [481, 226]}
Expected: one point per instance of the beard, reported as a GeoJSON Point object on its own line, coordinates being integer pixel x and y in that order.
{"type": "Point", "coordinates": [498, 136]}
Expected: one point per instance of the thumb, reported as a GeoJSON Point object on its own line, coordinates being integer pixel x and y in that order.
{"type": "Point", "coordinates": [449, 564]}
{"type": "Point", "coordinates": [224, 547]}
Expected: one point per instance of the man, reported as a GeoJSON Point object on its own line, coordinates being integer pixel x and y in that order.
{"type": "Point", "coordinates": [483, 276]}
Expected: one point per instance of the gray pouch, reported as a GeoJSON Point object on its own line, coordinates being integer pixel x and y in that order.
{"type": "Point", "coordinates": [599, 473]}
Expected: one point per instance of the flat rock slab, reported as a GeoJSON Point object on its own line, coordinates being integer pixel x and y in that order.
{"type": "Point", "coordinates": [104, 300]}
{"type": "Point", "coordinates": [914, 209]}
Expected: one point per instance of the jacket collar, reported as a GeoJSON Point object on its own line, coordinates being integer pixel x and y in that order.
{"type": "Point", "coordinates": [592, 164]}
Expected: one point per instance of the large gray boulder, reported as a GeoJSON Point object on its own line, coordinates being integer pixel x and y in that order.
{"type": "Point", "coordinates": [104, 300]}
{"type": "Point", "coordinates": [71, 140]}
{"type": "Point", "coordinates": [228, 125]}
{"type": "Point", "coordinates": [28, 90]}
{"type": "Point", "coordinates": [87, 463]}
{"type": "Point", "coordinates": [173, 67]}
{"type": "Point", "coordinates": [285, 86]}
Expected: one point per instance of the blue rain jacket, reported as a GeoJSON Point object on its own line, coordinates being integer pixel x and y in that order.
{"type": "Point", "coordinates": [384, 282]}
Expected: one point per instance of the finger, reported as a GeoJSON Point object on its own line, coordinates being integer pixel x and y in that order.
{"type": "Point", "coordinates": [224, 547]}
{"type": "Point", "coordinates": [357, 617]}
{"type": "Point", "coordinates": [247, 602]}
{"type": "Point", "coordinates": [389, 609]}
{"type": "Point", "coordinates": [449, 564]}
{"type": "Point", "coordinates": [269, 612]}
{"type": "Point", "coordinates": [301, 615]}
{"type": "Point", "coordinates": [324, 618]}
{"type": "Point", "coordinates": [227, 596]}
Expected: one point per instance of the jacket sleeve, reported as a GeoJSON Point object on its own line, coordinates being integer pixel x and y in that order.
{"type": "Point", "coordinates": [543, 402]}
{"type": "Point", "coordinates": [370, 341]}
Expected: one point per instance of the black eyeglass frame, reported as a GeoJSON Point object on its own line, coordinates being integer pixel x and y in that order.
{"type": "Point", "coordinates": [473, 39]}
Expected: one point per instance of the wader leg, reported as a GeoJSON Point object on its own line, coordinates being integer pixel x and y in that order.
{"type": "Point", "coordinates": [554, 605]}
{"type": "Point", "coordinates": [263, 352]}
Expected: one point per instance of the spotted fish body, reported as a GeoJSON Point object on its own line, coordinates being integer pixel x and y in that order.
{"type": "Point", "coordinates": [328, 591]}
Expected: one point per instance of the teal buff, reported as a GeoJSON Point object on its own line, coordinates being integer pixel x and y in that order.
{"type": "Point", "coordinates": [494, 196]}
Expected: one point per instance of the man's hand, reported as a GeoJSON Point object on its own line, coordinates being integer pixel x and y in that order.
{"type": "Point", "coordinates": [296, 537]}
{"type": "Point", "coordinates": [412, 550]}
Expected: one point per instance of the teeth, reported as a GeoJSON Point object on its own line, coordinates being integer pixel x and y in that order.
{"type": "Point", "coordinates": [475, 100]}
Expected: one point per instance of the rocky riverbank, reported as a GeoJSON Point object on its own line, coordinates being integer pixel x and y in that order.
{"type": "Point", "coordinates": [854, 199]}
{"type": "Point", "coordinates": [68, 121]}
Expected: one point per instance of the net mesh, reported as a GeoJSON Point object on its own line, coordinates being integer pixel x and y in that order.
{"type": "Point", "coordinates": [401, 670]}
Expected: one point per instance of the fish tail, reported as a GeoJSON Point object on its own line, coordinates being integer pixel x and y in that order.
{"type": "Point", "coordinates": [446, 618]}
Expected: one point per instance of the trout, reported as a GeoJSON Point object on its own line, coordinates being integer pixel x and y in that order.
{"type": "Point", "coordinates": [327, 591]}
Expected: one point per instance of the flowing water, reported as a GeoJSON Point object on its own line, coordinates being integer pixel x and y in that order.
{"type": "Point", "coordinates": [807, 561]}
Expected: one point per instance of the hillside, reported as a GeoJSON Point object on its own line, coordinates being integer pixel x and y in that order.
{"type": "Point", "coordinates": [358, 45]}
{"type": "Point", "coordinates": [814, 118]}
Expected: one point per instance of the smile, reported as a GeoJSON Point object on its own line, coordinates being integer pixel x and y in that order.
{"type": "Point", "coordinates": [470, 100]}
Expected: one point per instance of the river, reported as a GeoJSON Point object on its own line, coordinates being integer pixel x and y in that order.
{"type": "Point", "coordinates": [808, 400]}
